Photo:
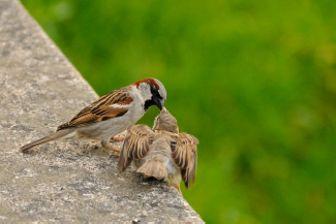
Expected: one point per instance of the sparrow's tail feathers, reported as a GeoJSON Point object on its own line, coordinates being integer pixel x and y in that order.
{"type": "Point", "coordinates": [153, 168]}
{"type": "Point", "coordinates": [53, 136]}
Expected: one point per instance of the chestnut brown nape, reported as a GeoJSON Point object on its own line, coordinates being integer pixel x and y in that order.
{"type": "Point", "coordinates": [150, 81]}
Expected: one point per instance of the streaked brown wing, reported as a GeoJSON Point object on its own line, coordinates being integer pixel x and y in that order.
{"type": "Point", "coordinates": [136, 145]}
{"type": "Point", "coordinates": [185, 156]}
{"type": "Point", "coordinates": [106, 107]}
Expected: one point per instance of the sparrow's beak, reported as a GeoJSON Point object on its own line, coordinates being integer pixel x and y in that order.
{"type": "Point", "coordinates": [158, 102]}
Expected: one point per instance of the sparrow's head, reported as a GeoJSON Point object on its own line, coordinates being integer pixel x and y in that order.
{"type": "Point", "coordinates": [153, 92]}
{"type": "Point", "coordinates": [166, 121]}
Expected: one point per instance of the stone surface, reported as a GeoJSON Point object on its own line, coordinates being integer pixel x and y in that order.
{"type": "Point", "coordinates": [39, 90]}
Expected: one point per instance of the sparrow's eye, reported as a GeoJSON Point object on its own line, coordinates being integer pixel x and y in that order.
{"type": "Point", "coordinates": [156, 93]}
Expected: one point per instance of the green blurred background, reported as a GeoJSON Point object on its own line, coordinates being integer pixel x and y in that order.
{"type": "Point", "coordinates": [253, 80]}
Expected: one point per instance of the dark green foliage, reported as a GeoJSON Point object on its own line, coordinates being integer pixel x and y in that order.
{"type": "Point", "coordinates": [255, 81]}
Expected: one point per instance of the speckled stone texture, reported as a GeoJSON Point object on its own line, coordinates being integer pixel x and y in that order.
{"type": "Point", "coordinates": [39, 89]}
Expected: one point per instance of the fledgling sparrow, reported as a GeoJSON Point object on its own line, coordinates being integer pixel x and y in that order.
{"type": "Point", "coordinates": [111, 113]}
{"type": "Point", "coordinates": [162, 152]}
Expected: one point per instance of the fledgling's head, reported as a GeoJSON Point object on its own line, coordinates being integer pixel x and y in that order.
{"type": "Point", "coordinates": [153, 92]}
{"type": "Point", "coordinates": [166, 121]}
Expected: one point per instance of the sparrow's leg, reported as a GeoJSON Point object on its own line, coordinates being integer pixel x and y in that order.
{"type": "Point", "coordinates": [111, 148]}
{"type": "Point", "coordinates": [90, 147]}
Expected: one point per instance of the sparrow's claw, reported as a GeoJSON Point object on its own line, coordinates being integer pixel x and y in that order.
{"type": "Point", "coordinates": [89, 147]}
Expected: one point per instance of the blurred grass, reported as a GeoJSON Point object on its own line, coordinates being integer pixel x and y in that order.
{"type": "Point", "coordinates": [253, 80]}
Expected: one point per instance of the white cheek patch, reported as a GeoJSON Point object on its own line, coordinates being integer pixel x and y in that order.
{"type": "Point", "coordinates": [162, 90]}
{"type": "Point", "coordinates": [163, 94]}
{"type": "Point", "coordinates": [145, 91]}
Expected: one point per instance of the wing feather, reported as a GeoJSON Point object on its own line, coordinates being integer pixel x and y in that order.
{"type": "Point", "coordinates": [185, 156]}
{"type": "Point", "coordinates": [136, 145]}
{"type": "Point", "coordinates": [109, 106]}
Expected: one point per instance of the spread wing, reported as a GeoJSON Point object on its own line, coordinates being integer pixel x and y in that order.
{"type": "Point", "coordinates": [185, 156]}
{"type": "Point", "coordinates": [136, 145]}
{"type": "Point", "coordinates": [109, 106]}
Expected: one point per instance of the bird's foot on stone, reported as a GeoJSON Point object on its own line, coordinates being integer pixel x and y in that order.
{"type": "Point", "coordinates": [89, 147]}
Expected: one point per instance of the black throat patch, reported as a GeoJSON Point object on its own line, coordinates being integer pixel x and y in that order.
{"type": "Point", "coordinates": [149, 103]}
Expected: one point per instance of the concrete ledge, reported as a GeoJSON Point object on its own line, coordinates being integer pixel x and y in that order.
{"type": "Point", "coordinates": [39, 89]}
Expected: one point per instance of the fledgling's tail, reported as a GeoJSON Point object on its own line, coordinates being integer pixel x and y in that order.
{"type": "Point", "coordinates": [53, 136]}
{"type": "Point", "coordinates": [153, 168]}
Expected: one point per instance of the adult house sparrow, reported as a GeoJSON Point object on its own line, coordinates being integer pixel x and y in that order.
{"type": "Point", "coordinates": [111, 113]}
{"type": "Point", "coordinates": [162, 152]}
